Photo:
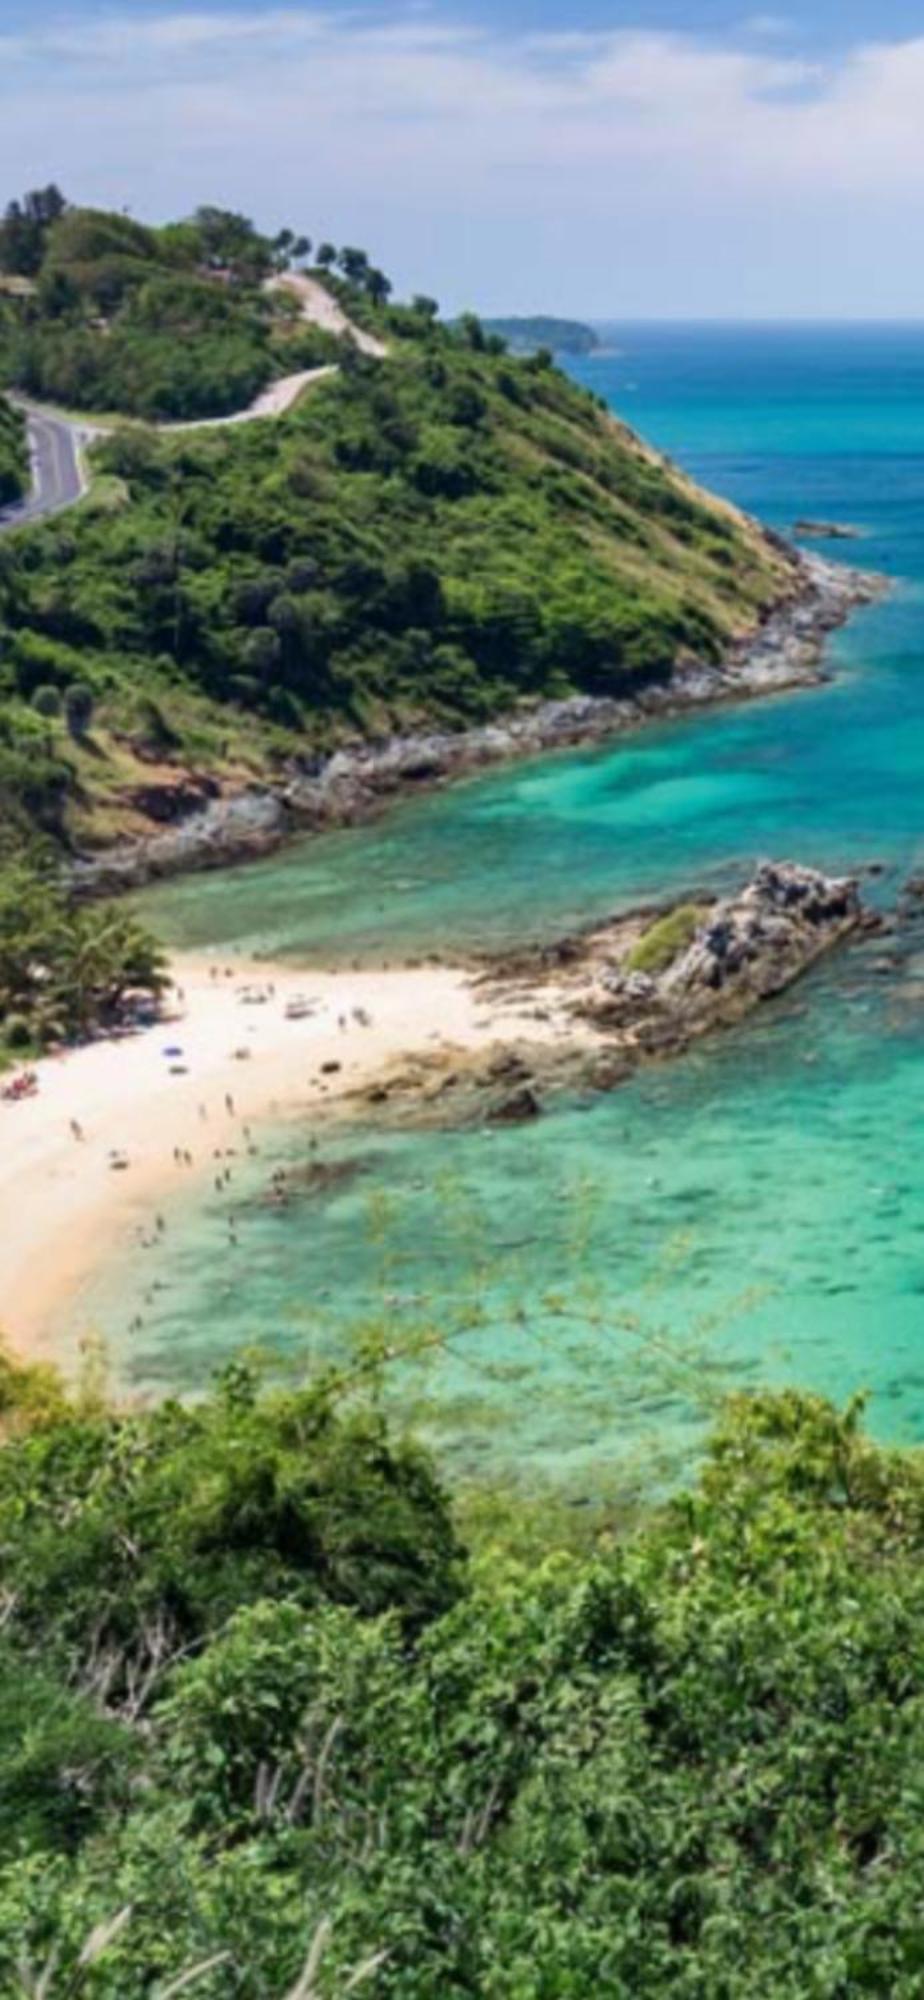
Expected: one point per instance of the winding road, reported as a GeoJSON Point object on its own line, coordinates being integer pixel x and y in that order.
{"type": "Point", "coordinates": [55, 442]}
{"type": "Point", "coordinates": [57, 476]}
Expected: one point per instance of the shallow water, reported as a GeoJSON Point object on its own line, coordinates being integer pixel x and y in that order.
{"type": "Point", "coordinates": [751, 1213]}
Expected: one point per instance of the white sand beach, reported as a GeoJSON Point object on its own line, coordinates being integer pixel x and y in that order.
{"type": "Point", "coordinates": [117, 1125]}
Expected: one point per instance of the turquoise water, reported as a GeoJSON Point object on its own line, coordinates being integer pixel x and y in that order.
{"type": "Point", "coordinates": [752, 1213]}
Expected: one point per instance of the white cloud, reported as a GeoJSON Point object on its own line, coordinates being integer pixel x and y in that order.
{"type": "Point", "coordinates": [481, 158]}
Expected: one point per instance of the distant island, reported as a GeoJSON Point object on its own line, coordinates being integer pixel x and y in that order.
{"type": "Point", "coordinates": [560, 336]}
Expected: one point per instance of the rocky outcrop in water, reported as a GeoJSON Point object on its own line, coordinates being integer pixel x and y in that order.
{"type": "Point", "coordinates": [827, 531]}
{"type": "Point", "coordinates": [745, 949]}
{"type": "Point", "coordinates": [354, 783]}
{"type": "Point", "coordinates": [757, 942]}
{"type": "Point", "coordinates": [723, 958]}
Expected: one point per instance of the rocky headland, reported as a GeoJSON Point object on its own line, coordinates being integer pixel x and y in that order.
{"type": "Point", "coordinates": [199, 827]}
{"type": "Point", "coordinates": [638, 989]}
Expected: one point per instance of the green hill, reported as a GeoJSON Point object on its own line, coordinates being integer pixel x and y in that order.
{"type": "Point", "coordinates": [102, 313]}
{"type": "Point", "coordinates": [430, 538]}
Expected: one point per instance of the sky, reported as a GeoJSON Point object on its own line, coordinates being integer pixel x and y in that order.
{"type": "Point", "coordinates": [610, 159]}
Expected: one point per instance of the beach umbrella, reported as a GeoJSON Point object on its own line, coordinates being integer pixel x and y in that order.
{"type": "Point", "coordinates": [171, 1052]}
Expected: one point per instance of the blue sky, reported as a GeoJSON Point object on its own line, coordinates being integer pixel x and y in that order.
{"type": "Point", "coordinates": [669, 158]}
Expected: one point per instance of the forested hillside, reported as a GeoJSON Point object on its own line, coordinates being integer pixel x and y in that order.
{"type": "Point", "coordinates": [102, 313]}
{"type": "Point", "coordinates": [261, 1710]}
{"type": "Point", "coordinates": [13, 457]}
{"type": "Point", "coordinates": [433, 536]}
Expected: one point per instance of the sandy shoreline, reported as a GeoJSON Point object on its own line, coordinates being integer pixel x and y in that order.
{"type": "Point", "coordinates": [67, 1209]}
{"type": "Point", "coordinates": [95, 1167]}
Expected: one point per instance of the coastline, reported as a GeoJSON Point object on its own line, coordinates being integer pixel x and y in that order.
{"type": "Point", "coordinates": [120, 1128]}
{"type": "Point", "coordinates": [355, 784]}
{"type": "Point", "coordinates": [74, 1209]}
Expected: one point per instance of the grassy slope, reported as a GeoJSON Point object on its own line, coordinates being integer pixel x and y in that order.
{"type": "Point", "coordinates": [429, 539]}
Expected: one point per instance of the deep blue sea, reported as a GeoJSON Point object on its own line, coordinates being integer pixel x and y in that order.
{"type": "Point", "coordinates": [753, 1213]}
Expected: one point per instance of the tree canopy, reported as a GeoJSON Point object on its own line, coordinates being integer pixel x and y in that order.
{"type": "Point", "coordinates": [167, 322]}
{"type": "Point", "coordinates": [259, 1708]}
{"type": "Point", "coordinates": [13, 455]}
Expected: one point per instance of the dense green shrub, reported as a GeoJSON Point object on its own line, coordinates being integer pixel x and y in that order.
{"type": "Point", "coordinates": [685, 1766]}
{"type": "Point", "coordinates": [13, 455]}
{"type": "Point", "coordinates": [665, 939]}
{"type": "Point", "coordinates": [66, 968]}
{"type": "Point", "coordinates": [123, 317]}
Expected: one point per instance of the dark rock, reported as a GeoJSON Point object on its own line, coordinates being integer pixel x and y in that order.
{"type": "Point", "coordinates": [508, 1067]}
{"type": "Point", "coordinates": [608, 1072]}
{"type": "Point", "coordinates": [829, 531]}
{"type": "Point", "coordinates": [516, 1109]}
{"type": "Point", "coordinates": [171, 800]}
{"type": "Point", "coordinates": [761, 938]}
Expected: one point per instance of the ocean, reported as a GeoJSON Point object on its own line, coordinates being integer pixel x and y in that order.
{"type": "Point", "coordinates": [752, 1214]}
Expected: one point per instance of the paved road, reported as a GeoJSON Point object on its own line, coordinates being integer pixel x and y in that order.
{"type": "Point", "coordinates": [57, 480]}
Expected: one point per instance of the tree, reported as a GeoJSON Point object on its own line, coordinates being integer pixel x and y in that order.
{"type": "Point", "coordinates": [24, 230]}
{"type": "Point", "coordinates": [378, 287]}
{"type": "Point", "coordinates": [65, 968]}
{"type": "Point", "coordinates": [105, 956]}
{"type": "Point", "coordinates": [354, 264]}
{"type": "Point", "coordinates": [424, 307]}
{"type": "Point", "coordinates": [230, 241]}
{"type": "Point", "coordinates": [47, 701]}
{"type": "Point", "coordinates": [289, 249]}
{"type": "Point", "coordinates": [44, 205]}
{"type": "Point", "coordinates": [59, 294]}
{"type": "Point", "coordinates": [326, 255]}
{"type": "Point", "coordinates": [472, 332]}
{"type": "Point", "coordinates": [79, 704]}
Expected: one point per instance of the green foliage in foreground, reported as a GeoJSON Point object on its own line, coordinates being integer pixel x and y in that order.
{"type": "Point", "coordinates": [665, 939]}
{"type": "Point", "coordinates": [13, 454]}
{"type": "Point", "coordinates": [259, 1711]}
